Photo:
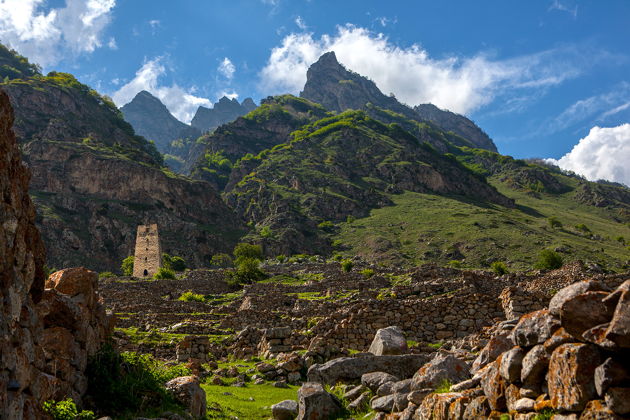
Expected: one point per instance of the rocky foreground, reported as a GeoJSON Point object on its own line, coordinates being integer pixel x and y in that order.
{"type": "Point", "coordinates": [567, 361]}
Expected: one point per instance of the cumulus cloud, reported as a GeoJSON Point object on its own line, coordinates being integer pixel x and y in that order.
{"type": "Point", "coordinates": [182, 103]}
{"type": "Point", "coordinates": [300, 23]}
{"type": "Point", "coordinates": [45, 36]}
{"type": "Point", "coordinates": [227, 68]}
{"type": "Point", "coordinates": [460, 84]}
{"type": "Point", "coordinates": [603, 154]}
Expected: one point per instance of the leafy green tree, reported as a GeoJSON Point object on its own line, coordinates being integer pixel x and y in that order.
{"type": "Point", "coordinates": [245, 250]}
{"type": "Point", "coordinates": [247, 271]}
{"type": "Point", "coordinates": [548, 260]}
{"type": "Point", "coordinates": [127, 266]}
{"type": "Point", "coordinates": [66, 410]}
{"type": "Point", "coordinates": [221, 260]}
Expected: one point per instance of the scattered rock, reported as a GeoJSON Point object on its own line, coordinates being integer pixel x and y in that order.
{"type": "Point", "coordinates": [388, 341]}
{"type": "Point", "coordinates": [534, 328]}
{"type": "Point", "coordinates": [610, 373]}
{"type": "Point", "coordinates": [285, 410]}
{"type": "Point", "coordinates": [444, 366]}
{"type": "Point", "coordinates": [511, 364]}
{"type": "Point", "coordinates": [315, 403]}
{"type": "Point", "coordinates": [374, 380]}
{"type": "Point", "coordinates": [497, 345]}
{"type": "Point", "coordinates": [188, 391]}
{"type": "Point", "coordinates": [618, 400]}
{"type": "Point", "coordinates": [570, 292]}
{"type": "Point", "coordinates": [583, 312]}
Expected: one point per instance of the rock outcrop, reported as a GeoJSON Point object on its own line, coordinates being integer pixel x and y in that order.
{"type": "Point", "coordinates": [338, 89]}
{"type": "Point", "coordinates": [47, 330]}
{"type": "Point", "coordinates": [224, 111]}
{"type": "Point", "coordinates": [150, 118]}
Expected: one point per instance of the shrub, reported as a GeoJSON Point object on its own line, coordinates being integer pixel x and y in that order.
{"type": "Point", "coordinates": [346, 265]}
{"type": "Point", "coordinates": [367, 273]}
{"type": "Point", "coordinates": [164, 274]}
{"type": "Point", "coordinates": [444, 386]}
{"type": "Point", "coordinates": [454, 264]}
{"type": "Point", "coordinates": [221, 260]}
{"type": "Point", "coordinates": [66, 410]}
{"type": "Point", "coordinates": [548, 260]}
{"type": "Point", "coordinates": [621, 240]}
{"type": "Point", "coordinates": [174, 263]}
{"type": "Point", "coordinates": [266, 232]}
{"type": "Point", "coordinates": [583, 228]}
{"type": "Point", "coordinates": [130, 383]}
{"type": "Point", "coordinates": [127, 266]}
{"type": "Point", "coordinates": [326, 226]}
{"type": "Point", "coordinates": [281, 258]}
{"type": "Point", "coordinates": [350, 219]}
{"type": "Point", "coordinates": [245, 250]}
{"type": "Point", "coordinates": [189, 296]}
{"type": "Point", "coordinates": [247, 271]}
{"type": "Point", "coordinates": [554, 223]}
{"type": "Point", "coordinates": [499, 268]}
{"type": "Point", "coordinates": [106, 274]}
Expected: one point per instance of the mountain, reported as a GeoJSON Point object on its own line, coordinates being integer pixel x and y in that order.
{"type": "Point", "coordinates": [14, 66]}
{"type": "Point", "coordinates": [338, 89]}
{"type": "Point", "coordinates": [151, 119]}
{"type": "Point", "coordinates": [224, 111]}
{"type": "Point", "coordinates": [94, 180]}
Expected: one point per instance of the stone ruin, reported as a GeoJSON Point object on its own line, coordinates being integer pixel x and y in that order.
{"type": "Point", "coordinates": [148, 253]}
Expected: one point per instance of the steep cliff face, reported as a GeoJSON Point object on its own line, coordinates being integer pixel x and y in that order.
{"type": "Point", "coordinates": [224, 111]}
{"type": "Point", "coordinates": [338, 89]}
{"type": "Point", "coordinates": [94, 181]}
{"type": "Point", "coordinates": [151, 119]}
{"type": "Point", "coordinates": [269, 125]}
{"type": "Point", "coordinates": [47, 331]}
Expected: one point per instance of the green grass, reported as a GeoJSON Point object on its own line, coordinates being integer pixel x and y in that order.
{"type": "Point", "coordinates": [422, 228]}
{"type": "Point", "coordinates": [251, 402]}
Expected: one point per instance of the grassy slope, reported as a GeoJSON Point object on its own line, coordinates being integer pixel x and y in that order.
{"type": "Point", "coordinates": [421, 228]}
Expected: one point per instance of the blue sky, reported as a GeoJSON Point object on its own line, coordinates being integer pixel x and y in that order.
{"type": "Point", "coordinates": [536, 76]}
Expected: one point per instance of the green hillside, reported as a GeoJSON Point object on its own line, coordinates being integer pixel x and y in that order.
{"type": "Point", "coordinates": [422, 228]}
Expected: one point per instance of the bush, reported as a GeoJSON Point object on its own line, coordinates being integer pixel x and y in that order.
{"type": "Point", "coordinates": [346, 265]}
{"type": "Point", "coordinates": [189, 296]}
{"type": "Point", "coordinates": [66, 410]}
{"type": "Point", "coordinates": [164, 274]}
{"type": "Point", "coordinates": [621, 240]}
{"type": "Point", "coordinates": [444, 386]}
{"type": "Point", "coordinates": [106, 274]}
{"type": "Point", "coordinates": [221, 260]}
{"type": "Point", "coordinates": [127, 266]}
{"type": "Point", "coordinates": [367, 273]}
{"type": "Point", "coordinates": [130, 383]}
{"type": "Point", "coordinates": [326, 226]}
{"type": "Point", "coordinates": [247, 271]}
{"type": "Point", "coordinates": [245, 250]}
{"type": "Point", "coordinates": [266, 232]}
{"type": "Point", "coordinates": [548, 260]}
{"type": "Point", "coordinates": [454, 264]}
{"type": "Point", "coordinates": [281, 258]}
{"type": "Point", "coordinates": [173, 263]}
{"type": "Point", "coordinates": [554, 223]}
{"type": "Point", "coordinates": [499, 268]}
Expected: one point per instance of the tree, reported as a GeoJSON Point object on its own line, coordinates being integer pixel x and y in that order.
{"type": "Point", "coordinates": [174, 262]}
{"type": "Point", "coordinates": [548, 260]}
{"type": "Point", "coordinates": [127, 266]}
{"type": "Point", "coordinates": [245, 250]}
{"type": "Point", "coordinates": [221, 260]}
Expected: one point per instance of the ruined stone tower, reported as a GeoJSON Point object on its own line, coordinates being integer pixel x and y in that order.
{"type": "Point", "coordinates": [148, 255]}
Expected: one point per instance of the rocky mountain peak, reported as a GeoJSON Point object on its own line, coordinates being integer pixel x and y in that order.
{"type": "Point", "coordinates": [223, 112]}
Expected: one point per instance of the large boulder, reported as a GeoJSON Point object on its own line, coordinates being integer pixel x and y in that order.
{"type": "Point", "coordinates": [571, 376]}
{"type": "Point", "coordinates": [74, 281]}
{"type": "Point", "coordinates": [534, 328]}
{"type": "Point", "coordinates": [315, 403]}
{"type": "Point", "coordinates": [610, 373]}
{"type": "Point", "coordinates": [390, 340]}
{"type": "Point", "coordinates": [619, 330]}
{"type": "Point", "coordinates": [494, 386]}
{"type": "Point", "coordinates": [352, 368]}
{"type": "Point", "coordinates": [285, 410]}
{"type": "Point", "coordinates": [187, 390]}
{"type": "Point", "coordinates": [496, 345]}
{"type": "Point", "coordinates": [583, 312]}
{"type": "Point", "coordinates": [511, 364]}
{"type": "Point", "coordinates": [569, 292]}
{"type": "Point", "coordinates": [443, 367]}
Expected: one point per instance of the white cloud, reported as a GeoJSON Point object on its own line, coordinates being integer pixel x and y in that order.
{"type": "Point", "coordinates": [596, 107]}
{"type": "Point", "coordinates": [227, 68]}
{"type": "Point", "coordinates": [112, 44]}
{"type": "Point", "coordinates": [455, 83]}
{"type": "Point", "coordinates": [46, 36]}
{"type": "Point", "coordinates": [154, 23]}
{"type": "Point", "coordinates": [603, 154]}
{"type": "Point", "coordinates": [229, 95]}
{"type": "Point", "coordinates": [564, 7]}
{"type": "Point", "coordinates": [300, 23]}
{"type": "Point", "coordinates": [181, 102]}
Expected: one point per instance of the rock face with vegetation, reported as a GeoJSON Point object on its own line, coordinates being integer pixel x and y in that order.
{"type": "Point", "coordinates": [151, 119]}
{"type": "Point", "coordinates": [338, 89]}
{"type": "Point", "coordinates": [224, 111]}
{"type": "Point", "coordinates": [47, 330]}
{"type": "Point", "coordinates": [94, 180]}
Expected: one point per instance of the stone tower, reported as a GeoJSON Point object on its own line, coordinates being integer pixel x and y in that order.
{"type": "Point", "coordinates": [148, 255]}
